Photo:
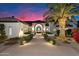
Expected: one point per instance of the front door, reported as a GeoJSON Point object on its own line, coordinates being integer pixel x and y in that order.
{"type": "Point", "coordinates": [38, 29]}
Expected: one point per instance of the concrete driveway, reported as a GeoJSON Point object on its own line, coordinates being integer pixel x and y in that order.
{"type": "Point", "coordinates": [39, 47]}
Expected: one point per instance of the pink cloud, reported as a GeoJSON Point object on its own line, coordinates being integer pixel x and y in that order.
{"type": "Point", "coordinates": [24, 14]}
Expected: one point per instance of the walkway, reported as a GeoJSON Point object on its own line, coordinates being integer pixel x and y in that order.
{"type": "Point", "coordinates": [38, 47]}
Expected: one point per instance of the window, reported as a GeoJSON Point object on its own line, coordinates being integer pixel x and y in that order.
{"type": "Point", "coordinates": [10, 30]}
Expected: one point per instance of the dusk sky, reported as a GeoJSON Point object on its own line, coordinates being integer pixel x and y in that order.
{"type": "Point", "coordinates": [25, 12]}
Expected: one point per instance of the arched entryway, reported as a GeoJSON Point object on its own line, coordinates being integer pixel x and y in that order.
{"type": "Point", "coordinates": [38, 28]}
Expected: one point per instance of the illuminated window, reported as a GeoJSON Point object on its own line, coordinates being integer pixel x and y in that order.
{"type": "Point", "coordinates": [10, 30]}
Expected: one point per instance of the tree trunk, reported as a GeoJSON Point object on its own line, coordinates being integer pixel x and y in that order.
{"type": "Point", "coordinates": [62, 23]}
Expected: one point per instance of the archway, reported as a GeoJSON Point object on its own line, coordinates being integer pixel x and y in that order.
{"type": "Point", "coordinates": [38, 28]}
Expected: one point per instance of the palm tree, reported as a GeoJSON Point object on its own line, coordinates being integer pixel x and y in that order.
{"type": "Point", "coordinates": [61, 12]}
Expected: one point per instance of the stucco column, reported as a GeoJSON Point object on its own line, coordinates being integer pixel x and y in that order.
{"type": "Point", "coordinates": [30, 27]}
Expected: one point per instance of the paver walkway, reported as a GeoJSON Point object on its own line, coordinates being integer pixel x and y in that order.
{"type": "Point", "coordinates": [38, 47]}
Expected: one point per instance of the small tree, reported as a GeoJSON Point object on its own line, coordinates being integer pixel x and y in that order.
{"type": "Point", "coordinates": [2, 33]}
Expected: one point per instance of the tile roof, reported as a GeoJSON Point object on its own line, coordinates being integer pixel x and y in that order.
{"type": "Point", "coordinates": [8, 19]}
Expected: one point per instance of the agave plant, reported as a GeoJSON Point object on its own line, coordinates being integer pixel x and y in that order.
{"type": "Point", "coordinates": [61, 12]}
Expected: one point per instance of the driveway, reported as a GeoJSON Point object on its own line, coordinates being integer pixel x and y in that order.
{"type": "Point", "coordinates": [39, 47]}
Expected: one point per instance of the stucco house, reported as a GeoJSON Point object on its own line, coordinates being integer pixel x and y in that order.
{"type": "Point", "coordinates": [13, 26]}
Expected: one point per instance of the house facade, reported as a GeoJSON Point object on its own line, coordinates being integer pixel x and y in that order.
{"type": "Point", "coordinates": [13, 26]}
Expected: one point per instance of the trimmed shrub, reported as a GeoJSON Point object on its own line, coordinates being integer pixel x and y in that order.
{"type": "Point", "coordinates": [27, 32]}
{"type": "Point", "coordinates": [49, 39]}
{"type": "Point", "coordinates": [12, 41]}
{"type": "Point", "coordinates": [52, 41]}
{"type": "Point", "coordinates": [28, 38]}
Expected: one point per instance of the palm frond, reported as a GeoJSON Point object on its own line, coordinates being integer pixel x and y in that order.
{"type": "Point", "coordinates": [58, 10]}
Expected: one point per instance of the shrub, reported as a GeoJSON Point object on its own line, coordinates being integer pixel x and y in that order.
{"type": "Point", "coordinates": [45, 36]}
{"type": "Point", "coordinates": [48, 32]}
{"type": "Point", "coordinates": [52, 41]}
{"type": "Point", "coordinates": [2, 33]}
{"type": "Point", "coordinates": [2, 39]}
{"type": "Point", "coordinates": [12, 41]}
{"type": "Point", "coordinates": [47, 24]}
{"type": "Point", "coordinates": [27, 38]}
{"type": "Point", "coordinates": [27, 32]}
{"type": "Point", "coordinates": [49, 39]}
